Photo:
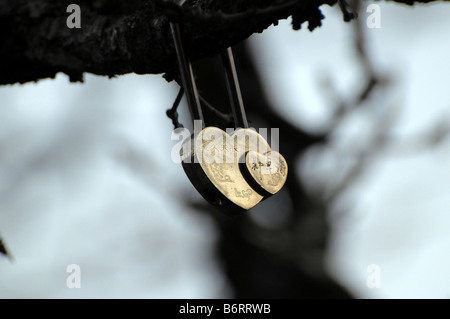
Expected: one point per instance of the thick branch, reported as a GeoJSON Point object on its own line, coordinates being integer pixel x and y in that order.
{"type": "Point", "coordinates": [118, 37]}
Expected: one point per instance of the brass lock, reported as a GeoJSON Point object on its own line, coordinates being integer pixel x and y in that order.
{"type": "Point", "coordinates": [229, 171]}
{"type": "Point", "coordinates": [232, 172]}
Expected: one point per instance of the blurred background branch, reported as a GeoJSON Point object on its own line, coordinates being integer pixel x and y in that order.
{"type": "Point", "coordinates": [3, 250]}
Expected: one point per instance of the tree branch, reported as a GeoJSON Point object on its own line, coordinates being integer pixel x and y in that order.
{"type": "Point", "coordinates": [118, 37]}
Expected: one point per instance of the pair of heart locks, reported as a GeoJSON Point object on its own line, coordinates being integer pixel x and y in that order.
{"type": "Point", "coordinates": [233, 172]}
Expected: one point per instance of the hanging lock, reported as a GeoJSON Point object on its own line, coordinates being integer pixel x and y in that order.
{"type": "Point", "coordinates": [232, 172]}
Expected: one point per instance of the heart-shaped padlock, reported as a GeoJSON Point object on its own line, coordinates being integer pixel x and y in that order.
{"type": "Point", "coordinates": [266, 173]}
{"type": "Point", "coordinates": [211, 161]}
{"type": "Point", "coordinates": [233, 172]}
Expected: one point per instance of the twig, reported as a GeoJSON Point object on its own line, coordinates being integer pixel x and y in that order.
{"type": "Point", "coordinates": [3, 250]}
{"type": "Point", "coordinates": [343, 109]}
{"type": "Point", "coordinates": [173, 113]}
{"type": "Point", "coordinates": [366, 156]}
{"type": "Point", "coordinates": [348, 16]}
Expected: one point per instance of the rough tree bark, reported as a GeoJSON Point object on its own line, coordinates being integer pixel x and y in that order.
{"type": "Point", "coordinates": [119, 37]}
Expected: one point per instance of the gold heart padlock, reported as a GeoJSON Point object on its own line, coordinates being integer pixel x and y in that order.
{"type": "Point", "coordinates": [266, 173]}
{"type": "Point", "coordinates": [232, 172]}
{"type": "Point", "coordinates": [211, 161]}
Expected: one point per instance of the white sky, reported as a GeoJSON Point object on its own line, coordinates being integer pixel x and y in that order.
{"type": "Point", "coordinates": [86, 176]}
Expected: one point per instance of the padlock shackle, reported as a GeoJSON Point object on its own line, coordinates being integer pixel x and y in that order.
{"type": "Point", "coordinates": [234, 91]}
{"type": "Point", "coordinates": [187, 75]}
{"type": "Point", "coordinates": [190, 88]}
